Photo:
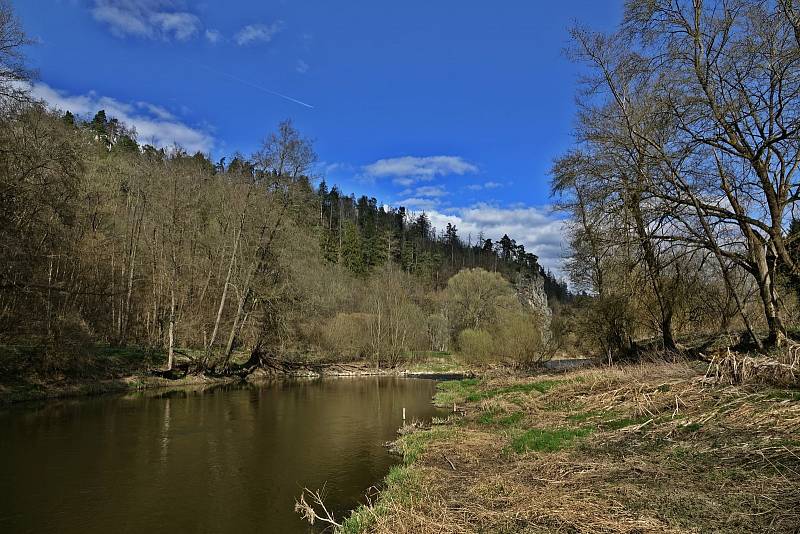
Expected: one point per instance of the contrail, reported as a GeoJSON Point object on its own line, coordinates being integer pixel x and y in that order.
{"type": "Point", "coordinates": [254, 86]}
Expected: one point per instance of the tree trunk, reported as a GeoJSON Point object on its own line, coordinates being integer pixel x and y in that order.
{"type": "Point", "coordinates": [769, 297]}
{"type": "Point", "coordinates": [49, 305]}
{"type": "Point", "coordinates": [126, 311]}
{"type": "Point", "coordinates": [171, 349]}
{"type": "Point", "coordinates": [665, 303]}
{"type": "Point", "coordinates": [235, 327]}
{"type": "Point", "coordinates": [224, 296]}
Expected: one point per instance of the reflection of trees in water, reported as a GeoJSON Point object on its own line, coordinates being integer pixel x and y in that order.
{"type": "Point", "coordinates": [165, 431]}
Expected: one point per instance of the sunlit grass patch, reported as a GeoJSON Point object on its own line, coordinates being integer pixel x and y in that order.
{"type": "Point", "coordinates": [411, 445]}
{"type": "Point", "coordinates": [542, 386]}
{"type": "Point", "coordinates": [490, 418]}
{"type": "Point", "coordinates": [454, 391]}
{"type": "Point", "coordinates": [542, 440]}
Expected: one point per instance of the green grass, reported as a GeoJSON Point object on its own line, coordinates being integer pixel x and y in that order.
{"type": "Point", "coordinates": [454, 391]}
{"type": "Point", "coordinates": [542, 386]}
{"type": "Point", "coordinates": [783, 394]}
{"type": "Point", "coordinates": [691, 427]}
{"type": "Point", "coordinates": [468, 390]}
{"type": "Point", "coordinates": [401, 484]}
{"type": "Point", "coordinates": [541, 440]}
{"type": "Point", "coordinates": [489, 418]}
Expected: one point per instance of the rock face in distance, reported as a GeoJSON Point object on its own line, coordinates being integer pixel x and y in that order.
{"type": "Point", "coordinates": [530, 291]}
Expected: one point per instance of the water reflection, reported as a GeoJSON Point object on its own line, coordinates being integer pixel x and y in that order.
{"type": "Point", "coordinates": [225, 459]}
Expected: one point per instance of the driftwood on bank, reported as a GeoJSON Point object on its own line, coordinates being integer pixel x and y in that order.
{"type": "Point", "coordinates": [267, 365]}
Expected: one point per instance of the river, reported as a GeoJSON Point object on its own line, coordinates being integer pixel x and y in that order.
{"type": "Point", "coordinates": [225, 459]}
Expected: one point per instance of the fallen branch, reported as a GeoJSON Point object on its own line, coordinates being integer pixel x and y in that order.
{"type": "Point", "coordinates": [449, 462]}
{"type": "Point", "coordinates": [309, 511]}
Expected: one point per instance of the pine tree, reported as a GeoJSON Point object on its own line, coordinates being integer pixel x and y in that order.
{"type": "Point", "coordinates": [507, 246]}
{"type": "Point", "coordinates": [352, 252]}
{"type": "Point", "coordinates": [99, 123]}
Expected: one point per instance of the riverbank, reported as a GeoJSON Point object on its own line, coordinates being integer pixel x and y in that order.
{"type": "Point", "coordinates": [651, 448]}
{"type": "Point", "coordinates": [117, 370]}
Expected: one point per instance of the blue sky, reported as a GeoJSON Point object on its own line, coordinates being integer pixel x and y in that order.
{"type": "Point", "coordinates": [453, 107]}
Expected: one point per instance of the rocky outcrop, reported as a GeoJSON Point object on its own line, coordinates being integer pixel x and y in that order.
{"type": "Point", "coordinates": [530, 291]}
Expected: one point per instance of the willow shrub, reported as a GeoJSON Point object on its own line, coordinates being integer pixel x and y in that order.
{"type": "Point", "coordinates": [476, 346]}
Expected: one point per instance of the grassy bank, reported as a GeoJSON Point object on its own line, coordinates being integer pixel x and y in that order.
{"type": "Point", "coordinates": [654, 448]}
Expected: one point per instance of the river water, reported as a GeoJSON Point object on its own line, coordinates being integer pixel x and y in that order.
{"type": "Point", "coordinates": [226, 459]}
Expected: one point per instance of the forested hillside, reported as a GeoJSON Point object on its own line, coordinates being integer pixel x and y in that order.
{"type": "Point", "coordinates": [108, 241]}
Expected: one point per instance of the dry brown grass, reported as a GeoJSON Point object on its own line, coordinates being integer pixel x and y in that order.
{"type": "Point", "coordinates": [665, 450]}
{"type": "Point", "coordinates": [782, 369]}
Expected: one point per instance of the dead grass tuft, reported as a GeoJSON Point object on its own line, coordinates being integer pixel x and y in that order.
{"type": "Point", "coordinates": [733, 368]}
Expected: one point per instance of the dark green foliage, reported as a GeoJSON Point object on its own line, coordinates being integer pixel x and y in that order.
{"type": "Point", "coordinates": [99, 123]}
{"type": "Point", "coordinates": [362, 237]}
{"type": "Point", "coordinates": [126, 144]}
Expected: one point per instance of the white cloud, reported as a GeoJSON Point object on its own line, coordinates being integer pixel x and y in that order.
{"type": "Point", "coordinates": [485, 185]}
{"type": "Point", "coordinates": [301, 67]}
{"type": "Point", "coordinates": [213, 36]}
{"type": "Point", "coordinates": [537, 228]}
{"type": "Point", "coordinates": [158, 111]}
{"type": "Point", "coordinates": [431, 191]}
{"type": "Point", "coordinates": [151, 19]}
{"type": "Point", "coordinates": [258, 32]}
{"type": "Point", "coordinates": [336, 167]}
{"type": "Point", "coordinates": [181, 25]}
{"type": "Point", "coordinates": [407, 170]}
{"type": "Point", "coordinates": [153, 124]}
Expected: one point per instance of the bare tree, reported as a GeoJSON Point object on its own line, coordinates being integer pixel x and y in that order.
{"type": "Point", "coordinates": [13, 72]}
{"type": "Point", "coordinates": [706, 97]}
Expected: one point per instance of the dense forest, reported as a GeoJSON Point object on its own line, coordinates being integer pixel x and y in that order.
{"type": "Point", "coordinates": [107, 241]}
